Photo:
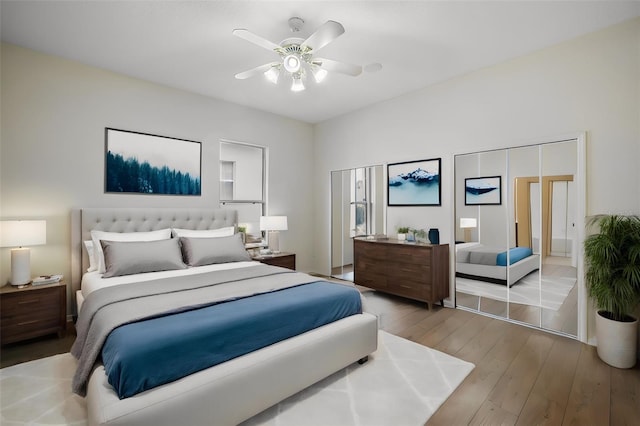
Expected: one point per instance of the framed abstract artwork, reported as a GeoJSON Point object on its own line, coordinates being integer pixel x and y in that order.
{"type": "Point", "coordinates": [414, 183]}
{"type": "Point", "coordinates": [142, 163]}
{"type": "Point", "coordinates": [483, 191]}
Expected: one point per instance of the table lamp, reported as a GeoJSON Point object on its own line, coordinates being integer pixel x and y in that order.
{"type": "Point", "coordinates": [19, 234]}
{"type": "Point", "coordinates": [273, 224]}
{"type": "Point", "coordinates": [468, 223]}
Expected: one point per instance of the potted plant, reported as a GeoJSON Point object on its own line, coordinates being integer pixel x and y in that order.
{"type": "Point", "coordinates": [402, 233]}
{"type": "Point", "coordinates": [612, 259]}
{"type": "Point", "coordinates": [418, 234]}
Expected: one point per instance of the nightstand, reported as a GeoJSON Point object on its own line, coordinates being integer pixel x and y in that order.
{"type": "Point", "coordinates": [32, 311]}
{"type": "Point", "coordinates": [285, 260]}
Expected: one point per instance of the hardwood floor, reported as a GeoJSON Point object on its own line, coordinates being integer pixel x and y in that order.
{"type": "Point", "coordinates": [523, 376]}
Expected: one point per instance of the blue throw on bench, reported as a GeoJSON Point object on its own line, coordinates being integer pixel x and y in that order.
{"type": "Point", "coordinates": [150, 353]}
{"type": "Point", "coordinates": [516, 254]}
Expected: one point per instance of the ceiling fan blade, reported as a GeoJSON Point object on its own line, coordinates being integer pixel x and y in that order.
{"type": "Point", "coordinates": [324, 35]}
{"type": "Point", "coordinates": [255, 39]}
{"type": "Point", "coordinates": [336, 66]}
{"type": "Point", "coordinates": [255, 71]}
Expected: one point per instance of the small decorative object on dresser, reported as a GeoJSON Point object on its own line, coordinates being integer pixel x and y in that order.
{"type": "Point", "coordinates": [282, 259]}
{"type": "Point", "coordinates": [417, 271]}
{"type": "Point", "coordinates": [32, 311]}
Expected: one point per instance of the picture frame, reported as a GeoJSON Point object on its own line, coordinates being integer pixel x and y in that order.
{"type": "Point", "coordinates": [144, 163]}
{"type": "Point", "coordinates": [483, 191]}
{"type": "Point", "coordinates": [415, 183]}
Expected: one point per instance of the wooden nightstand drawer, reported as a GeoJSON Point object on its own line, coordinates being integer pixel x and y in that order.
{"type": "Point", "coordinates": [29, 302]}
{"type": "Point", "coordinates": [32, 311]}
{"type": "Point", "coordinates": [284, 260]}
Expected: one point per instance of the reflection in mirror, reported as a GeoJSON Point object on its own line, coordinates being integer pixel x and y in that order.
{"type": "Point", "coordinates": [538, 240]}
{"type": "Point", "coordinates": [524, 253]}
{"type": "Point", "coordinates": [481, 232]}
{"type": "Point", "coordinates": [559, 266]}
{"type": "Point", "coordinates": [357, 208]}
{"type": "Point", "coordinates": [242, 171]}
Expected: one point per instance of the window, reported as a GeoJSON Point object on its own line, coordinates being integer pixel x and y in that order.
{"type": "Point", "coordinates": [242, 184]}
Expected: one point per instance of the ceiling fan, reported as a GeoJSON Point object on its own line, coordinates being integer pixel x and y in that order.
{"type": "Point", "coordinates": [297, 55]}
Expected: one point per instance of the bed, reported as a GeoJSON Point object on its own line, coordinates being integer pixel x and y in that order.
{"type": "Point", "coordinates": [479, 262]}
{"type": "Point", "coordinates": [231, 391]}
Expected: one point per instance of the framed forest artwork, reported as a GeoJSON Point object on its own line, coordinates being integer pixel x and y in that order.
{"type": "Point", "coordinates": [143, 163]}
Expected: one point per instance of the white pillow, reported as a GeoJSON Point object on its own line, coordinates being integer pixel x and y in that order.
{"type": "Point", "coordinates": [203, 233]}
{"type": "Point", "coordinates": [92, 259]}
{"type": "Point", "coordinates": [96, 236]}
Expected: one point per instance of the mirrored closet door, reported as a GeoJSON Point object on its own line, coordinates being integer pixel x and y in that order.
{"type": "Point", "coordinates": [357, 209]}
{"type": "Point", "coordinates": [516, 238]}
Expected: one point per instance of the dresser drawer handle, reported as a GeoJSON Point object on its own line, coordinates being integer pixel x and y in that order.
{"type": "Point", "coordinates": [26, 302]}
{"type": "Point", "coordinates": [28, 322]}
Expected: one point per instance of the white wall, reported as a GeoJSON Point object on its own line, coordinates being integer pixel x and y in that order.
{"type": "Point", "coordinates": [54, 112]}
{"type": "Point", "coordinates": [588, 84]}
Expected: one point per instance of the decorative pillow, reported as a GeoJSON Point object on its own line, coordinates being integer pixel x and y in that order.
{"type": "Point", "coordinates": [136, 257]}
{"type": "Point", "coordinates": [96, 236]}
{"type": "Point", "coordinates": [207, 251]}
{"type": "Point", "coordinates": [88, 245]}
{"type": "Point", "coordinates": [203, 233]}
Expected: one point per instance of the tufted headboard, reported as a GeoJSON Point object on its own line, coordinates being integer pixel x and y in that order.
{"type": "Point", "coordinates": [134, 220]}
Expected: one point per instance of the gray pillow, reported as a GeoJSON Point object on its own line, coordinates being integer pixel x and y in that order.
{"type": "Point", "coordinates": [135, 257]}
{"type": "Point", "coordinates": [207, 251]}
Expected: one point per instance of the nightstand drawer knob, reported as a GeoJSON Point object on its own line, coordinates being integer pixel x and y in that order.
{"type": "Point", "coordinates": [26, 302]}
{"type": "Point", "coordinates": [28, 322]}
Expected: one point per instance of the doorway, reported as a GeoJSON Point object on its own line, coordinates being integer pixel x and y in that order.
{"type": "Point", "coordinates": [357, 209]}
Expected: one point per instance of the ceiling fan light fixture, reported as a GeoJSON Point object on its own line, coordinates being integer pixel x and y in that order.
{"type": "Point", "coordinates": [319, 74]}
{"type": "Point", "coordinates": [272, 74]}
{"type": "Point", "coordinates": [292, 63]}
{"type": "Point", "coordinates": [297, 85]}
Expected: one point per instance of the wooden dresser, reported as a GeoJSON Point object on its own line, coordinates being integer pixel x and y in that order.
{"type": "Point", "coordinates": [414, 270]}
{"type": "Point", "coordinates": [32, 311]}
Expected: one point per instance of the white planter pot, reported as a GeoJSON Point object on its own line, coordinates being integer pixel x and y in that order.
{"type": "Point", "coordinates": [402, 237]}
{"type": "Point", "coordinates": [617, 341]}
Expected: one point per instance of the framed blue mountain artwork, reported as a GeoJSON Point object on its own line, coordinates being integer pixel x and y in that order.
{"type": "Point", "coordinates": [414, 183]}
{"type": "Point", "coordinates": [483, 191]}
{"type": "Point", "coordinates": [143, 163]}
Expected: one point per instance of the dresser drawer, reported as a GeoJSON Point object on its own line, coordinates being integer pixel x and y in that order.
{"type": "Point", "coordinates": [408, 289]}
{"type": "Point", "coordinates": [370, 266]}
{"type": "Point", "coordinates": [408, 270]}
{"type": "Point", "coordinates": [410, 255]}
{"type": "Point", "coordinates": [370, 280]}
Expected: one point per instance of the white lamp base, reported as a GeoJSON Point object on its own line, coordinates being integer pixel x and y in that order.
{"type": "Point", "coordinates": [20, 266]}
{"type": "Point", "coordinates": [274, 241]}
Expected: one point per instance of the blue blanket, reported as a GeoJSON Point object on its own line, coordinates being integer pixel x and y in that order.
{"type": "Point", "coordinates": [516, 254]}
{"type": "Point", "coordinates": [146, 354]}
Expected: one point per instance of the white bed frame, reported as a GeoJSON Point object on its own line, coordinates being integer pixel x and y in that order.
{"type": "Point", "coordinates": [493, 273]}
{"type": "Point", "coordinates": [236, 390]}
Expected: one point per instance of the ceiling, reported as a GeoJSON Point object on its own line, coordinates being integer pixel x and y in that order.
{"type": "Point", "coordinates": [189, 44]}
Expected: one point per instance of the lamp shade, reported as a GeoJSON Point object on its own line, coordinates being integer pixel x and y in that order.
{"type": "Point", "coordinates": [468, 222]}
{"type": "Point", "coordinates": [273, 223]}
{"type": "Point", "coordinates": [21, 233]}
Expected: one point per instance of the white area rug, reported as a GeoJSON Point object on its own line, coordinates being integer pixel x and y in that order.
{"type": "Point", "coordinates": [403, 383]}
{"type": "Point", "coordinates": [557, 282]}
